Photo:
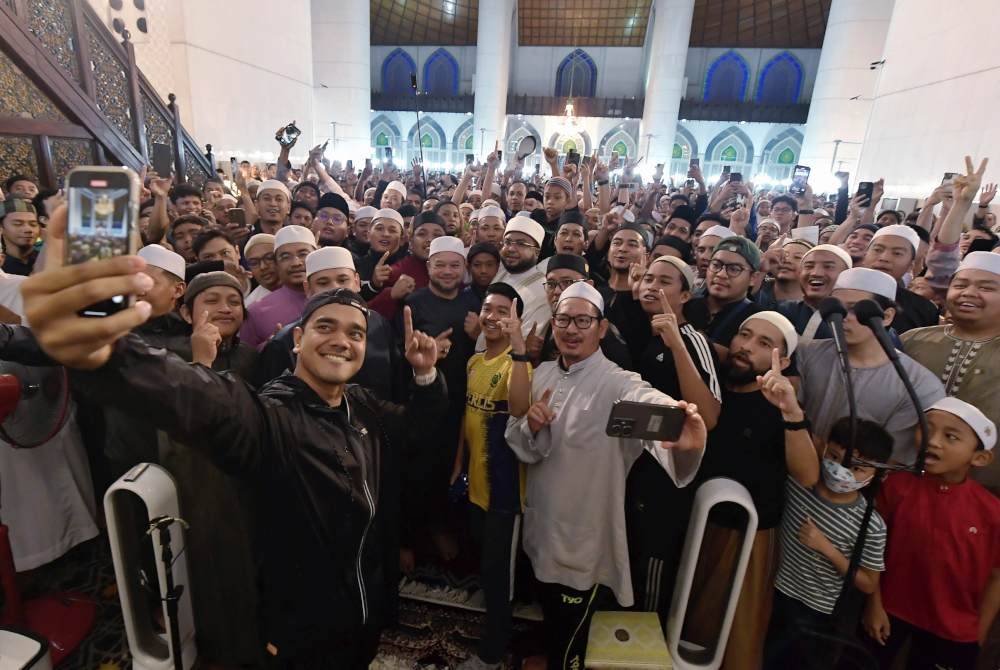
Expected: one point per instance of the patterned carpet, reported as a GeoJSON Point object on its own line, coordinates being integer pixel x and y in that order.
{"type": "Point", "coordinates": [429, 636]}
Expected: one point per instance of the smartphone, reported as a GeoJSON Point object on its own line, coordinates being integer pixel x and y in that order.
{"type": "Point", "coordinates": [689, 183]}
{"type": "Point", "coordinates": [388, 154]}
{"type": "Point", "coordinates": [949, 178]}
{"type": "Point", "coordinates": [234, 168]}
{"type": "Point", "coordinates": [800, 177]}
{"type": "Point", "coordinates": [499, 154]}
{"type": "Point", "coordinates": [163, 160]}
{"type": "Point", "coordinates": [368, 164]}
{"type": "Point", "coordinates": [350, 165]}
{"type": "Point", "coordinates": [645, 421]}
{"type": "Point", "coordinates": [866, 188]}
{"type": "Point", "coordinates": [736, 177]}
{"type": "Point", "coordinates": [538, 168]}
{"type": "Point", "coordinates": [695, 162]}
{"type": "Point", "coordinates": [288, 134]}
{"type": "Point", "coordinates": [573, 157]}
{"type": "Point", "coordinates": [236, 216]}
{"type": "Point", "coordinates": [103, 210]}
{"type": "Point", "coordinates": [726, 169]}
{"type": "Point", "coordinates": [470, 159]}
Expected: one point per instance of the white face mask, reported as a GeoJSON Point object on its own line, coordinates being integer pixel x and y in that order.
{"type": "Point", "coordinates": [839, 479]}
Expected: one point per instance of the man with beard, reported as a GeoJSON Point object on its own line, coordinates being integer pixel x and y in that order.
{"type": "Point", "coordinates": [818, 272]}
{"type": "Point", "coordinates": [357, 242]}
{"type": "Point", "coordinates": [291, 246]}
{"type": "Point", "coordinates": [734, 266]}
{"type": "Point", "coordinates": [259, 253]}
{"type": "Point", "coordinates": [516, 194]}
{"type": "Point", "coordinates": [522, 241]}
{"type": "Point", "coordinates": [703, 250]}
{"type": "Point", "coordinates": [330, 225]}
{"type": "Point", "coordinates": [18, 232]}
{"type": "Point", "coordinates": [893, 250]}
{"type": "Point", "coordinates": [626, 252]}
{"type": "Point", "coordinates": [410, 272]}
{"type": "Point", "coordinates": [762, 436]}
{"type": "Point", "coordinates": [559, 197]}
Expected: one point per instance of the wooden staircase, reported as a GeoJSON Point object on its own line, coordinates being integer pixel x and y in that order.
{"type": "Point", "coordinates": [71, 94]}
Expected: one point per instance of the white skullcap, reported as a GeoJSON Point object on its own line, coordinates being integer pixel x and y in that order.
{"type": "Point", "coordinates": [366, 212]}
{"type": "Point", "coordinates": [273, 185]}
{"type": "Point", "coordinates": [525, 213]}
{"type": "Point", "coordinates": [387, 213]}
{"type": "Point", "coordinates": [476, 192]}
{"type": "Point", "coordinates": [447, 243]}
{"type": "Point", "coordinates": [783, 325]}
{"type": "Point", "coordinates": [970, 414]}
{"type": "Point", "coordinates": [328, 258]}
{"type": "Point", "coordinates": [163, 258]}
{"type": "Point", "coordinates": [899, 230]}
{"type": "Point", "coordinates": [833, 249]}
{"type": "Point", "coordinates": [626, 213]}
{"type": "Point", "coordinates": [495, 189]}
{"type": "Point", "coordinates": [227, 198]}
{"type": "Point", "coordinates": [718, 231]}
{"type": "Point", "coordinates": [582, 289]}
{"type": "Point", "coordinates": [768, 222]}
{"type": "Point", "coordinates": [528, 226]}
{"type": "Point", "coordinates": [980, 260]}
{"type": "Point", "coordinates": [474, 215]}
{"type": "Point", "coordinates": [866, 279]}
{"type": "Point", "coordinates": [259, 238]}
{"type": "Point", "coordinates": [398, 187]}
{"type": "Point", "coordinates": [370, 191]}
{"type": "Point", "coordinates": [684, 268]}
{"type": "Point", "coordinates": [293, 234]}
{"type": "Point", "coordinates": [494, 212]}
{"type": "Point", "coordinates": [489, 202]}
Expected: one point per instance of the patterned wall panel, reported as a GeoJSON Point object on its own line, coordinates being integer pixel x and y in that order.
{"type": "Point", "coordinates": [17, 154]}
{"type": "Point", "coordinates": [51, 21]}
{"type": "Point", "coordinates": [20, 98]}
{"type": "Point", "coordinates": [111, 84]}
{"type": "Point", "coordinates": [68, 153]}
{"type": "Point", "coordinates": [193, 171]}
{"type": "Point", "coordinates": [158, 128]}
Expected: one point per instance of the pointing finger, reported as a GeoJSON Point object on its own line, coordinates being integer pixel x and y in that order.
{"type": "Point", "coordinates": [546, 397]}
{"type": "Point", "coordinates": [664, 303]}
{"type": "Point", "coordinates": [382, 260]}
{"type": "Point", "coordinates": [776, 361]}
{"type": "Point", "coordinates": [513, 308]}
{"type": "Point", "coordinates": [201, 318]}
{"type": "Point", "coordinates": [407, 324]}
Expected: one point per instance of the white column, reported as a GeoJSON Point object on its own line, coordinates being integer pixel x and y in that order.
{"type": "Point", "coordinates": [493, 52]}
{"type": "Point", "coordinates": [668, 48]}
{"type": "Point", "coordinates": [341, 52]}
{"type": "Point", "coordinates": [855, 38]}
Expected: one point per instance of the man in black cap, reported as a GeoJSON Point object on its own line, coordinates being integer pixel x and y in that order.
{"type": "Point", "coordinates": [19, 226]}
{"type": "Point", "coordinates": [532, 201]}
{"type": "Point", "coordinates": [331, 222]}
{"type": "Point", "coordinates": [680, 223]}
{"type": "Point", "coordinates": [669, 245]}
{"type": "Point", "coordinates": [571, 233]}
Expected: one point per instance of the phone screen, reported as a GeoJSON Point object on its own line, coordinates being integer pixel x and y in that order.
{"type": "Point", "coordinates": [695, 162]}
{"type": "Point", "coordinates": [726, 169]}
{"type": "Point", "coordinates": [800, 177]}
{"type": "Point", "coordinates": [350, 165]}
{"type": "Point", "coordinates": [573, 157]}
{"type": "Point", "coordinates": [237, 216]}
{"type": "Point", "coordinates": [470, 159]}
{"type": "Point", "coordinates": [388, 154]}
{"type": "Point", "coordinates": [163, 159]}
{"type": "Point", "coordinates": [736, 177]}
{"type": "Point", "coordinates": [103, 209]}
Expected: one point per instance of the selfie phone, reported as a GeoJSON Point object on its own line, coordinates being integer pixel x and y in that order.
{"type": "Point", "coordinates": [287, 135]}
{"type": "Point", "coordinates": [470, 159]}
{"type": "Point", "coordinates": [350, 165]}
{"type": "Point", "coordinates": [234, 168]}
{"type": "Point", "coordinates": [689, 183]}
{"type": "Point", "coordinates": [163, 160]}
{"type": "Point", "coordinates": [499, 154]}
{"type": "Point", "coordinates": [388, 154]}
{"type": "Point", "coordinates": [866, 188]}
{"type": "Point", "coordinates": [103, 204]}
{"type": "Point", "coordinates": [726, 169]}
{"type": "Point", "coordinates": [695, 162]}
{"type": "Point", "coordinates": [736, 177]}
{"type": "Point", "coordinates": [368, 164]}
{"type": "Point", "coordinates": [645, 421]}
{"type": "Point", "coordinates": [949, 178]}
{"type": "Point", "coordinates": [236, 216]}
{"type": "Point", "coordinates": [800, 177]}
{"type": "Point", "coordinates": [573, 157]}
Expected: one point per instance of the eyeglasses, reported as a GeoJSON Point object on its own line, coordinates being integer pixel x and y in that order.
{"type": "Point", "coordinates": [781, 210]}
{"type": "Point", "coordinates": [582, 321]}
{"type": "Point", "coordinates": [287, 256]}
{"type": "Point", "coordinates": [266, 259]}
{"type": "Point", "coordinates": [336, 218]}
{"type": "Point", "coordinates": [519, 243]}
{"type": "Point", "coordinates": [732, 269]}
{"type": "Point", "coordinates": [562, 283]}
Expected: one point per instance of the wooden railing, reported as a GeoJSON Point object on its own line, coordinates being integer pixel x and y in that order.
{"type": "Point", "coordinates": [71, 94]}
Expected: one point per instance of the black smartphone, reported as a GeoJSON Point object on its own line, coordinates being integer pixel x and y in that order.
{"type": "Point", "coordinates": [499, 154]}
{"type": "Point", "coordinates": [736, 177]}
{"type": "Point", "coordinates": [645, 421]}
{"type": "Point", "coordinates": [726, 169]}
{"type": "Point", "coordinates": [236, 216]}
{"type": "Point", "coordinates": [800, 177]}
{"type": "Point", "coordinates": [288, 134]}
{"type": "Point", "coordinates": [388, 154]}
{"type": "Point", "coordinates": [695, 162]}
{"type": "Point", "coordinates": [103, 208]}
{"type": "Point", "coordinates": [572, 156]}
{"type": "Point", "coordinates": [368, 163]}
{"type": "Point", "coordinates": [865, 190]}
{"type": "Point", "coordinates": [470, 159]}
{"type": "Point", "coordinates": [163, 160]}
{"type": "Point", "coordinates": [949, 178]}
{"type": "Point", "coordinates": [350, 165]}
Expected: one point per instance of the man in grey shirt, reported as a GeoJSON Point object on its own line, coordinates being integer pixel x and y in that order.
{"type": "Point", "coordinates": [880, 394]}
{"type": "Point", "coordinates": [574, 517]}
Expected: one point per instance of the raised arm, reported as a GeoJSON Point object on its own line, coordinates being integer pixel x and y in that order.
{"type": "Point", "coordinates": [463, 185]}
{"type": "Point", "coordinates": [965, 188]}
{"type": "Point", "coordinates": [159, 220]}
{"type": "Point", "coordinates": [800, 454]}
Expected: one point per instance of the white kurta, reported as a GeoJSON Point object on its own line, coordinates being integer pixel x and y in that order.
{"type": "Point", "coordinates": [47, 497]}
{"type": "Point", "coordinates": [255, 295]}
{"type": "Point", "coordinates": [574, 517]}
{"type": "Point", "coordinates": [528, 285]}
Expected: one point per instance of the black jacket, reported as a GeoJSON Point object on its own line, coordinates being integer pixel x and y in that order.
{"type": "Point", "coordinates": [319, 475]}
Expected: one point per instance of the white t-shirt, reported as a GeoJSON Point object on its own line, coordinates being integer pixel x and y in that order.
{"type": "Point", "coordinates": [10, 294]}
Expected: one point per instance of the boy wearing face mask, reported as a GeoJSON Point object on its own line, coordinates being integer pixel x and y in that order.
{"type": "Point", "coordinates": [818, 530]}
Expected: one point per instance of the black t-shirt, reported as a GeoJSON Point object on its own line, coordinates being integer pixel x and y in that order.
{"type": "Point", "coordinates": [913, 311]}
{"type": "Point", "coordinates": [15, 266]}
{"type": "Point", "coordinates": [627, 314]}
{"type": "Point", "coordinates": [657, 366]}
{"type": "Point", "coordinates": [433, 315]}
{"type": "Point", "coordinates": [748, 446]}
{"type": "Point", "coordinates": [720, 328]}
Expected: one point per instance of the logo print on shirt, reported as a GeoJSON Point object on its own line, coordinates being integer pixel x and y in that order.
{"type": "Point", "coordinates": [495, 379]}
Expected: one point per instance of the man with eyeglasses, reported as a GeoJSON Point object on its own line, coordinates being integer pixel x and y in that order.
{"type": "Point", "coordinates": [784, 211]}
{"type": "Point", "coordinates": [574, 519]}
{"type": "Point", "coordinates": [522, 241]}
{"type": "Point", "coordinates": [703, 250]}
{"type": "Point", "coordinates": [330, 224]}
{"type": "Point", "coordinates": [259, 254]}
{"type": "Point", "coordinates": [291, 246]}
{"type": "Point", "coordinates": [734, 266]}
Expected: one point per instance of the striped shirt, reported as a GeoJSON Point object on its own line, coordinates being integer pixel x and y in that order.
{"type": "Point", "coordinates": [657, 366]}
{"type": "Point", "coordinates": [806, 575]}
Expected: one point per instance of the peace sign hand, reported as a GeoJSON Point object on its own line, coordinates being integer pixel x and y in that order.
{"type": "Point", "coordinates": [665, 325]}
{"type": "Point", "coordinates": [421, 349]}
{"type": "Point", "coordinates": [540, 414]}
{"type": "Point", "coordinates": [779, 391]}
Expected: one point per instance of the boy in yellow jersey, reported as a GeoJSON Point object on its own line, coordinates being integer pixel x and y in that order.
{"type": "Point", "coordinates": [496, 477]}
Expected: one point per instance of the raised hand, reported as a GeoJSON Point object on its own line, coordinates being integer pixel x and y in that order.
{"type": "Point", "coordinates": [533, 343]}
{"type": "Point", "coordinates": [540, 414]}
{"type": "Point", "coordinates": [967, 186]}
{"type": "Point", "coordinates": [664, 324]}
{"type": "Point", "coordinates": [511, 327]}
{"type": "Point", "coordinates": [160, 186]}
{"type": "Point", "coordinates": [403, 287]}
{"type": "Point", "coordinates": [987, 194]}
{"type": "Point", "coordinates": [205, 340]}
{"type": "Point", "coordinates": [694, 434]}
{"type": "Point", "coordinates": [471, 326]}
{"type": "Point", "coordinates": [739, 218]}
{"type": "Point", "coordinates": [694, 171]}
{"type": "Point", "coordinates": [778, 390]}
{"type": "Point", "coordinates": [550, 154]}
{"type": "Point", "coordinates": [421, 349]}
{"type": "Point", "coordinates": [443, 342]}
{"type": "Point", "coordinates": [600, 171]}
{"type": "Point", "coordinates": [382, 272]}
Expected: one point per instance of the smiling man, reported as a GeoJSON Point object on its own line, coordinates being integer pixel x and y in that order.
{"type": "Point", "coordinates": [893, 250]}
{"type": "Point", "coordinates": [519, 254]}
{"type": "Point", "coordinates": [817, 275]}
{"type": "Point", "coordinates": [273, 206]}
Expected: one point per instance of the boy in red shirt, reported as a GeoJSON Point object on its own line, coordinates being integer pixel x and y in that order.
{"type": "Point", "coordinates": [941, 586]}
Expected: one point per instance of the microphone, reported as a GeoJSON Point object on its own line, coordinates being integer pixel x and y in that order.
{"type": "Point", "coordinates": [834, 312]}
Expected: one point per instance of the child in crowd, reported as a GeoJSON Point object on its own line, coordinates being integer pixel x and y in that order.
{"type": "Point", "coordinates": [941, 588]}
{"type": "Point", "coordinates": [819, 529]}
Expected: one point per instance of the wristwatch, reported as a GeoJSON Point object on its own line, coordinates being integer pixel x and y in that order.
{"type": "Point", "coordinates": [797, 425]}
{"type": "Point", "coordinates": [602, 182]}
{"type": "Point", "coordinates": [519, 358]}
{"type": "Point", "coordinates": [805, 211]}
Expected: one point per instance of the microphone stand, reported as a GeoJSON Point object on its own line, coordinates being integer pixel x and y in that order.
{"type": "Point", "coordinates": [172, 592]}
{"type": "Point", "coordinates": [834, 314]}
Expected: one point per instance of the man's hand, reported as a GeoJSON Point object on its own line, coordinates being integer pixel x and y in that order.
{"type": "Point", "coordinates": [967, 186]}
{"type": "Point", "coordinates": [160, 187]}
{"type": "Point", "coordinates": [694, 433]}
{"type": "Point", "coordinates": [540, 414]}
{"type": "Point", "coordinates": [443, 342]}
{"type": "Point", "coordinates": [987, 194]}
{"type": "Point", "coordinates": [600, 171]}
{"type": "Point", "coordinates": [511, 327]}
{"type": "Point", "coordinates": [779, 391]}
{"type": "Point", "coordinates": [403, 287]}
{"type": "Point", "coordinates": [53, 297]}
{"type": "Point", "coordinates": [533, 343]}
{"type": "Point", "coordinates": [421, 349]}
{"type": "Point", "coordinates": [938, 195]}
{"type": "Point", "coordinates": [382, 272]}
{"type": "Point", "coordinates": [417, 168]}
{"type": "Point", "coordinates": [471, 325]}
{"type": "Point", "coordinates": [740, 217]}
{"type": "Point", "coordinates": [694, 172]}
{"type": "Point", "coordinates": [205, 340]}
{"type": "Point", "coordinates": [876, 622]}
{"type": "Point", "coordinates": [665, 325]}
{"type": "Point", "coordinates": [551, 155]}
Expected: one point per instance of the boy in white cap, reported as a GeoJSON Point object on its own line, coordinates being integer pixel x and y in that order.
{"type": "Point", "coordinates": [761, 438]}
{"type": "Point", "coordinates": [576, 540]}
{"type": "Point", "coordinates": [291, 246]}
{"type": "Point", "coordinates": [259, 255]}
{"type": "Point", "coordinates": [893, 250]}
{"type": "Point", "coordinates": [941, 586]}
{"type": "Point", "coordinates": [881, 396]}
{"type": "Point", "coordinates": [393, 195]}
{"type": "Point", "coordinates": [357, 242]}
{"type": "Point", "coordinates": [273, 205]}
{"type": "Point", "coordinates": [965, 354]}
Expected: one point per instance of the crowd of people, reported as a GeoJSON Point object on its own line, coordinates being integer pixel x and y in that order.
{"type": "Point", "coordinates": [351, 372]}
